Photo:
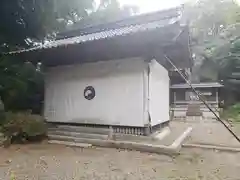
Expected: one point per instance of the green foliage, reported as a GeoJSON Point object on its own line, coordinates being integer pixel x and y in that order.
{"type": "Point", "coordinates": [212, 25]}
{"type": "Point", "coordinates": [22, 127]}
{"type": "Point", "coordinates": [233, 112]}
{"type": "Point", "coordinates": [21, 85]}
{"type": "Point", "coordinates": [22, 20]}
{"type": "Point", "coordinates": [108, 10]}
{"type": "Point", "coordinates": [209, 17]}
{"type": "Point", "coordinates": [216, 42]}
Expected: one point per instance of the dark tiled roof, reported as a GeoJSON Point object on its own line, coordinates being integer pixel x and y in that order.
{"type": "Point", "coordinates": [123, 30]}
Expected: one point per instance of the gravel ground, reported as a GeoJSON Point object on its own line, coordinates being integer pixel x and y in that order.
{"type": "Point", "coordinates": [56, 162]}
{"type": "Point", "coordinates": [208, 132]}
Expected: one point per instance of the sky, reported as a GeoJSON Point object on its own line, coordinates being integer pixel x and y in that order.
{"type": "Point", "coordinates": [152, 5]}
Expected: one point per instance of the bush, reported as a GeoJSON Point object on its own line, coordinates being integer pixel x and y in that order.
{"type": "Point", "coordinates": [23, 127]}
{"type": "Point", "coordinates": [233, 112]}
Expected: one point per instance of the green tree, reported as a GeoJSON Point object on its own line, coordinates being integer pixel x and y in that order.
{"type": "Point", "coordinates": [215, 29]}
{"type": "Point", "coordinates": [108, 10]}
{"type": "Point", "coordinates": [24, 21]}
{"type": "Point", "coordinates": [21, 85]}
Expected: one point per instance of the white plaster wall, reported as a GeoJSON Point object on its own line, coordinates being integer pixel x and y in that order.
{"type": "Point", "coordinates": [119, 93]}
{"type": "Point", "coordinates": [158, 93]}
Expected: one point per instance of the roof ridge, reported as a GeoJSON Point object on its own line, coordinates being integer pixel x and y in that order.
{"type": "Point", "coordinates": [133, 20]}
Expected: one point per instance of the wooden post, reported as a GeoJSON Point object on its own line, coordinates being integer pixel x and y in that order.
{"type": "Point", "coordinates": [174, 96]}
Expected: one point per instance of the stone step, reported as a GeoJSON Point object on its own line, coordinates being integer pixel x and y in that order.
{"type": "Point", "coordinates": [77, 134]}
{"type": "Point", "coordinates": [81, 145]}
{"type": "Point", "coordinates": [73, 138]}
{"type": "Point", "coordinates": [167, 141]}
{"type": "Point", "coordinates": [63, 138]}
{"type": "Point", "coordinates": [139, 146]}
{"type": "Point", "coordinates": [80, 129]}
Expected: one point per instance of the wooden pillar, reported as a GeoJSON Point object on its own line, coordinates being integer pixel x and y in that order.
{"type": "Point", "coordinates": [174, 97]}
{"type": "Point", "coordinates": [217, 99]}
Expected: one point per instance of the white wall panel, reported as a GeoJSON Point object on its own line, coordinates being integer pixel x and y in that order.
{"type": "Point", "coordinates": [119, 93]}
{"type": "Point", "coordinates": [158, 93]}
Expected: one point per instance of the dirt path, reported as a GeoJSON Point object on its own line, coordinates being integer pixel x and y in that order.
{"type": "Point", "coordinates": [63, 163]}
